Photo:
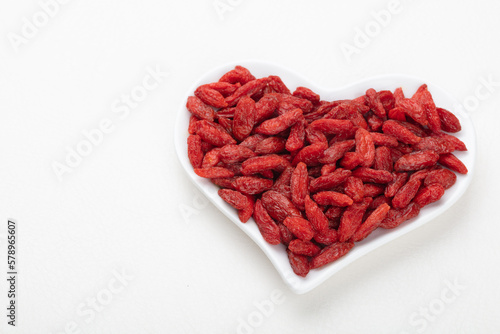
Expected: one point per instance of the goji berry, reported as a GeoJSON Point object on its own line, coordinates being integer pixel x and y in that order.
{"type": "Point", "coordinates": [306, 93]}
{"type": "Point", "coordinates": [399, 179]}
{"type": "Point", "coordinates": [416, 160]}
{"type": "Point", "coordinates": [374, 103]}
{"type": "Point", "coordinates": [453, 163]}
{"type": "Point", "coordinates": [262, 163]}
{"type": "Point", "coordinates": [332, 198]}
{"type": "Point", "coordinates": [210, 97]}
{"type": "Point", "coordinates": [429, 194]}
{"type": "Point", "coordinates": [244, 118]}
{"type": "Point", "coordinates": [371, 223]}
{"type": "Point", "coordinates": [213, 133]}
{"type": "Point", "coordinates": [329, 181]}
{"type": "Point", "coordinates": [270, 145]}
{"type": "Point", "coordinates": [231, 154]}
{"type": "Point", "coordinates": [238, 74]}
{"type": "Point", "coordinates": [336, 151]}
{"type": "Point", "coordinates": [199, 109]}
{"type": "Point", "coordinates": [214, 172]}
{"type": "Point", "coordinates": [351, 160]}
{"type": "Point", "coordinates": [449, 122]}
{"type": "Point", "coordinates": [299, 185]}
{"type": "Point", "coordinates": [383, 160]}
{"type": "Point", "coordinates": [352, 219]}
{"type": "Point", "coordinates": [252, 185]}
{"type": "Point", "coordinates": [372, 175]}
{"type": "Point", "coordinates": [396, 217]}
{"type": "Point", "coordinates": [275, 125]}
{"type": "Point", "coordinates": [299, 263]}
{"type": "Point", "coordinates": [211, 158]}
{"type": "Point", "coordinates": [316, 217]}
{"type": "Point", "coordinates": [295, 140]}
{"type": "Point", "coordinates": [302, 247]}
{"type": "Point", "coordinates": [406, 193]}
{"type": "Point", "coordinates": [195, 154]}
{"type": "Point", "coordinates": [400, 132]}
{"type": "Point", "coordinates": [278, 206]}
{"type": "Point", "coordinates": [300, 227]}
{"type": "Point", "coordinates": [327, 237]}
{"type": "Point", "coordinates": [443, 176]}
{"type": "Point", "coordinates": [354, 188]}
{"type": "Point", "coordinates": [365, 147]}
{"type": "Point", "coordinates": [267, 226]}
{"type": "Point", "coordinates": [331, 253]}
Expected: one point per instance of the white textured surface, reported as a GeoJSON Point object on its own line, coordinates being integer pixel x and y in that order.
{"type": "Point", "coordinates": [124, 207]}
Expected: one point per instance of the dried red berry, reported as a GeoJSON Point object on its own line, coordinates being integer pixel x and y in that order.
{"type": "Point", "coordinates": [416, 160]}
{"type": "Point", "coordinates": [449, 122]}
{"type": "Point", "coordinates": [300, 227]}
{"type": "Point", "coordinates": [316, 217]}
{"type": "Point", "coordinates": [329, 181]}
{"type": "Point", "coordinates": [213, 172]}
{"type": "Point", "coordinates": [396, 217]}
{"type": "Point", "coordinates": [371, 223]}
{"type": "Point", "coordinates": [306, 93]}
{"type": "Point", "coordinates": [252, 185]}
{"type": "Point", "coordinates": [353, 187]}
{"type": "Point", "coordinates": [429, 194]}
{"type": "Point", "coordinates": [267, 226]}
{"type": "Point", "coordinates": [302, 247]}
{"type": "Point", "coordinates": [331, 253]}
{"type": "Point", "coordinates": [444, 177]}
{"type": "Point", "coordinates": [210, 97]}
{"type": "Point", "coordinates": [352, 219]}
{"type": "Point", "coordinates": [231, 154]}
{"type": "Point", "coordinates": [332, 198]}
{"type": "Point", "coordinates": [299, 263]}
{"type": "Point", "coordinates": [213, 133]}
{"type": "Point", "coordinates": [278, 206]}
{"type": "Point", "coordinates": [299, 185]}
{"type": "Point", "coordinates": [199, 109]}
{"type": "Point", "coordinates": [195, 154]}
{"type": "Point", "coordinates": [278, 124]}
{"type": "Point", "coordinates": [400, 132]}
{"type": "Point", "coordinates": [365, 147]}
{"type": "Point", "coordinates": [453, 163]}
{"type": "Point", "coordinates": [406, 193]}
{"type": "Point", "coordinates": [244, 118]}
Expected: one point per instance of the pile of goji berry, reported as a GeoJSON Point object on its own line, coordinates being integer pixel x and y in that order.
{"type": "Point", "coordinates": [318, 176]}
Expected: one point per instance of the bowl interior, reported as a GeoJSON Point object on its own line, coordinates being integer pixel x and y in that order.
{"type": "Point", "coordinates": [277, 253]}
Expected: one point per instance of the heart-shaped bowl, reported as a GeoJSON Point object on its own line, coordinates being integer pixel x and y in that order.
{"type": "Point", "coordinates": [277, 253]}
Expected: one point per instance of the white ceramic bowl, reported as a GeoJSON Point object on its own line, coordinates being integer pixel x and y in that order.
{"type": "Point", "coordinates": [277, 254]}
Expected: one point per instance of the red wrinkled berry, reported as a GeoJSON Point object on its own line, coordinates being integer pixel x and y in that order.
{"type": "Point", "coordinates": [195, 154]}
{"type": "Point", "coordinates": [300, 227]}
{"type": "Point", "coordinates": [316, 217]}
{"type": "Point", "coordinates": [267, 226]}
{"type": "Point", "coordinates": [429, 194]}
{"type": "Point", "coordinates": [299, 185]}
{"type": "Point", "coordinates": [299, 263]}
{"type": "Point", "coordinates": [416, 160]}
{"type": "Point", "coordinates": [331, 253]}
{"type": "Point", "coordinates": [302, 247]}
{"type": "Point", "coordinates": [199, 109]}
{"type": "Point", "coordinates": [371, 223]}
{"type": "Point", "coordinates": [452, 162]}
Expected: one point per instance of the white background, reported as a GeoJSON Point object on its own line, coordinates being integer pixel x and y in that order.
{"type": "Point", "coordinates": [129, 208]}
